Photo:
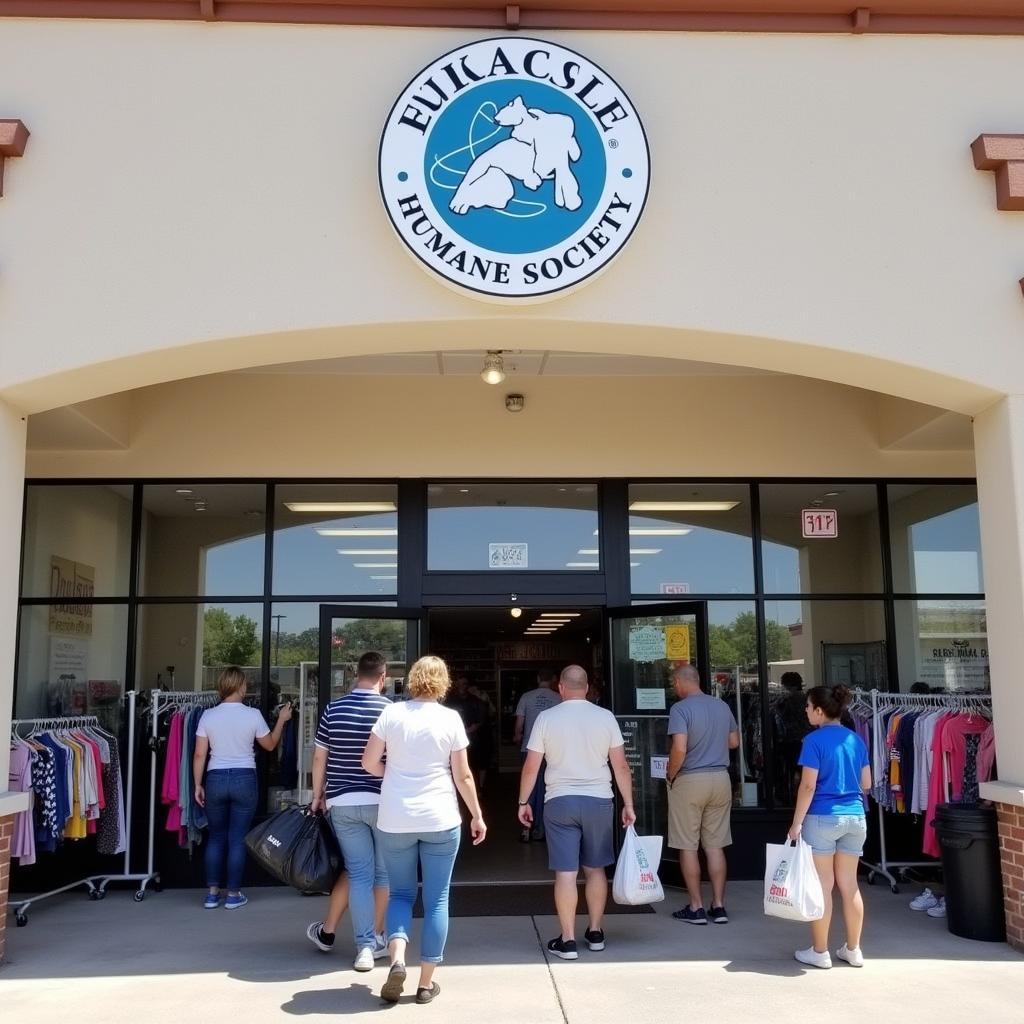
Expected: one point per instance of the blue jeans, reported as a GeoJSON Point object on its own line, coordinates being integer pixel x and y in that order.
{"type": "Point", "coordinates": [231, 799]}
{"type": "Point", "coordinates": [537, 796]}
{"type": "Point", "coordinates": [435, 853]}
{"type": "Point", "coordinates": [356, 829]}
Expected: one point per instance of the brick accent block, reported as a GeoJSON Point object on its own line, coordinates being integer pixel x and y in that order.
{"type": "Point", "coordinates": [1011, 857]}
{"type": "Point", "coordinates": [6, 832]}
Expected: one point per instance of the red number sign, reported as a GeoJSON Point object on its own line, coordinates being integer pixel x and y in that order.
{"type": "Point", "coordinates": [820, 522]}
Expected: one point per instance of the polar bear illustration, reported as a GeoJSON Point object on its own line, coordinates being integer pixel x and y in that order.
{"type": "Point", "coordinates": [542, 147]}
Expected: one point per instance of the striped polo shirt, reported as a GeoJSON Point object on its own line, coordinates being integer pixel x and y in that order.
{"type": "Point", "coordinates": [343, 731]}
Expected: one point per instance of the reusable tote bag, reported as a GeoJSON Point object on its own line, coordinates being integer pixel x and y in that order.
{"type": "Point", "coordinates": [792, 889]}
{"type": "Point", "coordinates": [636, 879]}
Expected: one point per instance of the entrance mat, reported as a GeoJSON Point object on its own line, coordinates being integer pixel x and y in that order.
{"type": "Point", "coordinates": [514, 901]}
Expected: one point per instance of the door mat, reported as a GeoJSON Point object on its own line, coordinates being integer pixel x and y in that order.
{"type": "Point", "coordinates": [514, 901]}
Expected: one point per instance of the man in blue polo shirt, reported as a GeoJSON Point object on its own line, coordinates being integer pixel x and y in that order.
{"type": "Point", "coordinates": [351, 795]}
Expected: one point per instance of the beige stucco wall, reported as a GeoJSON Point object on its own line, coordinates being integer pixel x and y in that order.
{"type": "Point", "coordinates": [814, 208]}
{"type": "Point", "coordinates": [294, 425]}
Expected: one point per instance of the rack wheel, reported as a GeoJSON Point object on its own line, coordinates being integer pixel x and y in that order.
{"type": "Point", "coordinates": [21, 919]}
{"type": "Point", "coordinates": [139, 896]}
{"type": "Point", "coordinates": [94, 894]}
{"type": "Point", "coordinates": [895, 890]}
{"type": "Point", "coordinates": [101, 894]}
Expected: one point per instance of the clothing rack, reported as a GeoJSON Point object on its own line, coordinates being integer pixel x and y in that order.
{"type": "Point", "coordinates": [161, 700]}
{"type": "Point", "coordinates": [955, 702]}
{"type": "Point", "coordinates": [96, 885]}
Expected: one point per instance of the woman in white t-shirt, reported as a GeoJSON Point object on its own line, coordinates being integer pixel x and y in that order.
{"type": "Point", "coordinates": [418, 821]}
{"type": "Point", "coordinates": [228, 732]}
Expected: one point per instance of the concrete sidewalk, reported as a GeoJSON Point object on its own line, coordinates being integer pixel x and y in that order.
{"type": "Point", "coordinates": [167, 960]}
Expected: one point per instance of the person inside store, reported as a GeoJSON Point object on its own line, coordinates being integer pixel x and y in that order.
{"type": "Point", "coordinates": [350, 796]}
{"type": "Point", "coordinates": [702, 731]}
{"type": "Point", "coordinates": [579, 741]}
{"type": "Point", "coordinates": [530, 705]}
{"type": "Point", "coordinates": [229, 794]}
{"type": "Point", "coordinates": [830, 817]}
{"type": "Point", "coordinates": [475, 719]}
{"type": "Point", "coordinates": [419, 748]}
{"type": "Point", "coordinates": [789, 719]}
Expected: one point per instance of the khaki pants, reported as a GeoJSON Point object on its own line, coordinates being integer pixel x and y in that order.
{"type": "Point", "coordinates": [699, 811]}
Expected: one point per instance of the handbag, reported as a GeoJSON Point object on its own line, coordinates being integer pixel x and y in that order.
{"type": "Point", "coordinates": [298, 848]}
{"type": "Point", "coordinates": [636, 879]}
{"type": "Point", "coordinates": [792, 888]}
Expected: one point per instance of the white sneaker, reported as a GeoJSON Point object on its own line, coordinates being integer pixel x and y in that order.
{"type": "Point", "coordinates": [854, 957]}
{"type": "Point", "coordinates": [925, 901]}
{"type": "Point", "coordinates": [939, 910]}
{"type": "Point", "coordinates": [812, 958]}
{"type": "Point", "coordinates": [380, 946]}
{"type": "Point", "coordinates": [364, 959]}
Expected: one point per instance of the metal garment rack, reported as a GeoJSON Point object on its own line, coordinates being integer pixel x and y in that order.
{"type": "Point", "coordinates": [879, 701]}
{"type": "Point", "coordinates": [96, 885]}
{"type": "Point", "coordinates": [160, 700]}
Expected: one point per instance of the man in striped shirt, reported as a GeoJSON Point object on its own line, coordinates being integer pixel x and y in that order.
{"type": "Point", "coordinates": [351, 796]}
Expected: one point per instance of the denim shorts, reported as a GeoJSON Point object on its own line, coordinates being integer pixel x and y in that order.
{"type": "Point", "coordinates": [835, 833]}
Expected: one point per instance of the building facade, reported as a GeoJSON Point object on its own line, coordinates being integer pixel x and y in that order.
{"type": "Point", "coordinates": [209, 320]}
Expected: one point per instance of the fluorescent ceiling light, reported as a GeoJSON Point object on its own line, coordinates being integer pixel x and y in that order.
{"type": "Point", "coordinates": [375, 565]}
{"type": "Point", "coordinates": [341, 506]}
{"type": "Point", "coordinates": [645, 551]}
{"type": "Point", "coordinates": [588, 551]}
{"type": "Point", "coordinates": [560, 615]}
{"type": "Point", "coordinates": [357, 531]}
{"type": "Point", "coordinates": [582, 565]}
{"type": "Point", "coordinates": [383, 577]}
{"type": "Point", "coordinates": [367, 551]}
{"type": "Point", "coordinates": [635, 565]}
{"type": "Point", "coordinates": [657, 531]}
{"type": "Point", "coordinates": [682, 506]}
{"type": "Point", "coordinates": [538, 632]}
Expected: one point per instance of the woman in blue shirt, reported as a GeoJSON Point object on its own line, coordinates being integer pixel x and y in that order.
{"type": "Point", "coordinates": [830, 817]}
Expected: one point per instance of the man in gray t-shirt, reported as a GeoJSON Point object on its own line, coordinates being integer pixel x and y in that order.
{"type": "Point", "coordinates": [702, 731]}
{"type": "Point", "coordinates": [530, 705]}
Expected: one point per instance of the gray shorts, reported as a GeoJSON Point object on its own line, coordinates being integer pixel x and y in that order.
{"type": "Point", "coordinates": [579, 832]}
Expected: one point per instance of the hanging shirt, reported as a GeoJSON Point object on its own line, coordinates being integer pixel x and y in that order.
{"type": "Point", "coordinates": [19, 780]}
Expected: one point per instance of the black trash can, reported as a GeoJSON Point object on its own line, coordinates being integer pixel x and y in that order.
{"type": "Point", "coordinates": [969, 838]}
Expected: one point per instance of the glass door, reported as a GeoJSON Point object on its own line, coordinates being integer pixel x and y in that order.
{"type": "Point", "coordinates": [346, 633]}
{"type": "Point", "coordinates": [645, 643]}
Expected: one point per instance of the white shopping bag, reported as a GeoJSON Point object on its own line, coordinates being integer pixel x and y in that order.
{"type": "Point", "coordinates": [792, 889]}
{"type": "Point", "coordinates": [636, 879]}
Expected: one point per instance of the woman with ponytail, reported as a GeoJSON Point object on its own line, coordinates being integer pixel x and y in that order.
{"type": "Point", "coordinates": [830, 817]}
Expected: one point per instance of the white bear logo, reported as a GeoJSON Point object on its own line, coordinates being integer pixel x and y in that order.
{"type": "Point", "coordinates": [541, 147]}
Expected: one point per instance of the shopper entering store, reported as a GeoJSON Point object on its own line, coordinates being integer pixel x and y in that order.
{"type": "Point", "coordinates": [579, 740]}
{"type": "Point", "coordinates": [830, 816]}
{"type": "Point", "coordinates": [227, 733]}
{"type": "Point", "coordinates": [702, 731]}
{"type": "Point", "coordinates": [530, 705]}
{"type": "Point", "coordinates": [351, 796]}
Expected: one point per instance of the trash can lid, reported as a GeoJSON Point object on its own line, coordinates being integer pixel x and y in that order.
{"type": "Point", "coordinates": [966, 817]}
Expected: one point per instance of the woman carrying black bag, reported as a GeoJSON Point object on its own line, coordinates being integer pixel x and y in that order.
{"type": "Point", "coordinates": [227, 733]}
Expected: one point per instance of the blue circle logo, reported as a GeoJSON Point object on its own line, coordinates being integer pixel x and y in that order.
{"type": "Point", "coordinates": [514, 168]}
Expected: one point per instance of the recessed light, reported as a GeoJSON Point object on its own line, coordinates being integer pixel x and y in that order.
{"type": "Point", "coordinates": [463, 490]}
{"type": "Point", "coordinates": [645, 551]}
{"type": "Point", "coordinates": [560, 615]}
{"type": "Point", "coordinates": [316, 507]}
{"type": "Point", "coordinates": [682, 506]}
{"type": "Point", "coordinates": [515, 612]}
{"type": "Point", "coordinates": [357, 531]}
{"type": "Point", "coordinates": [832, 494]}
{"type": "Point", "coordinates": [375, 565]}
{"type": "Point", "coordinates": [183, 490]}
{"type": "Point", "coordinates": [588, 551]}
{"type": "Point", "coordinates": [383, 577]}
{"type": "Point", "coordinates": [367, 551]}
{"type": "Point", "coordinates": [583, 565]}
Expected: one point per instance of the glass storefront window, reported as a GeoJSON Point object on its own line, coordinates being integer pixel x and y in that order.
{"type": "Point", "coordinates": [943, 645]}
{"type": "Point", "coordinates": [203, 540]}
{"type": "Point", "coordinates": [77, 540]}
{"type": "Point", "coordinates": [850, 562]}
{"type": "Point", "coordinates": [690, 539]}
{"type": "Point", "coordinates": [732, 651]}
{"type": "Point", "coordinates": [71, 661]}
{"type": "Point", "coordinates": [823, 643]}
{"type": "Point", "coordinates": [336, 539]}
{"type": "Point", "coordinates": [936, 539]}
{"type": "Point", "coordinates": [184, 646]}
{"type": "Point", "coordinates": [494, 526]}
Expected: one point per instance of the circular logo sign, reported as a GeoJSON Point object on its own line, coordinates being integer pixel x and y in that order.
{"type": "Point", "coordinates": [514, 168]}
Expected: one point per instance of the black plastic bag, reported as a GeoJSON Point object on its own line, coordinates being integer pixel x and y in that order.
{"type": "Point", "coordinates": [298, 849]}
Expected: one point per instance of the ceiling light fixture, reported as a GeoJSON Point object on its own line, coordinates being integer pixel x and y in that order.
{"type": "Point", "coordinates": [656, 531]}
{"type": "Point", "coordinates": [560, 615]}
{"type": "Point", "coordinates": [583, 565]}
{"type": "Point", "coordinates": [183, 490]}
{"type": "Point", "coordinates": [317, 507]}
{"type": "Point", "coordinates": [357, 531]}
{"type": "Point", "coordinates": [682, 506]}
{"type": "Point", "coordinates": [383, 577]}
{"type": "Point", "coordinates": [645, 551]}
{"type": "Point", "coordinates": [493, 371]}
{"type": "Point", "coordinates": [367, 551]}
{"type": "Point", "coordinates": [375, 565]}
{"type": "Point", "coordinates": [588, 551]}
{"type": "Point", "coordinates": [515, 612]}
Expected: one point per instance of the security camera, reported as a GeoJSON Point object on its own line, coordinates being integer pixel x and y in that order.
{"type": "Point", "coordinates": [514, 403]}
